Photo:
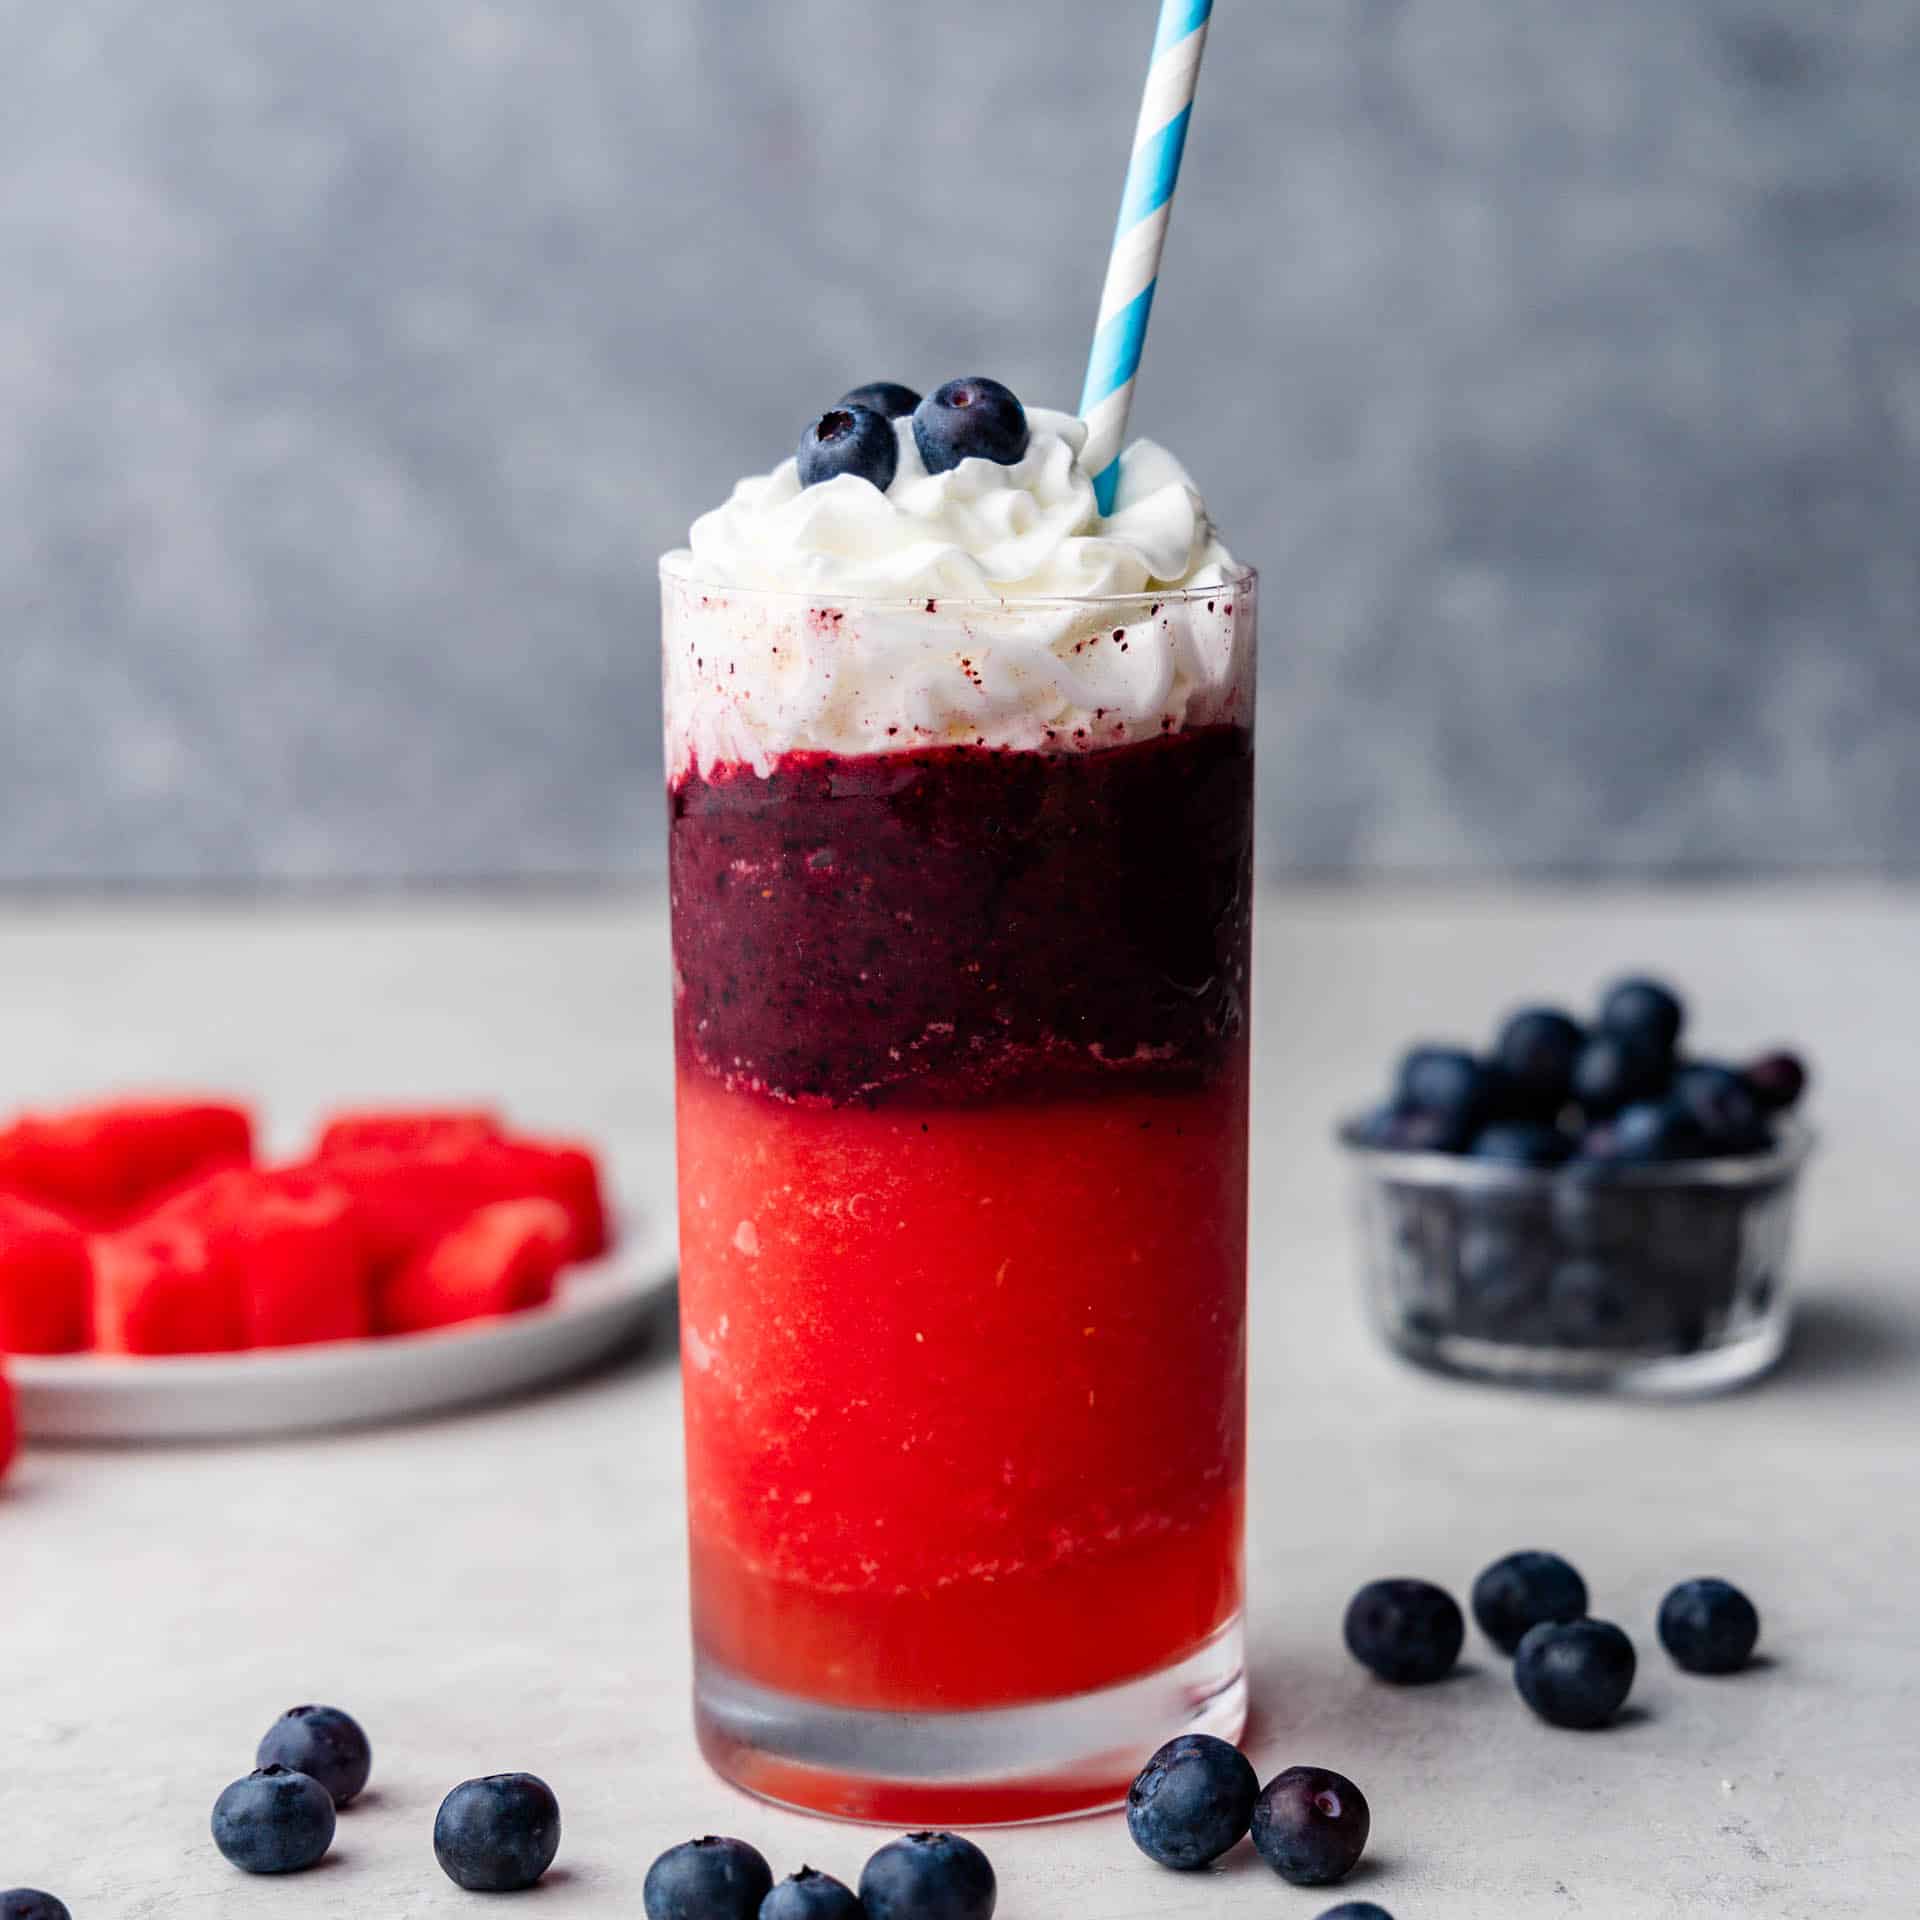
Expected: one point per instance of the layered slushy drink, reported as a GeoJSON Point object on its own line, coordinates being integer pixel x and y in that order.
{"type": "Point", "coordinates": [960, 777]}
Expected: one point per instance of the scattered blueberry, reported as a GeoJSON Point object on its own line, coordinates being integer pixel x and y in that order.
{"type": "Point", "coordinates": [851, 440]}
{"type": "Point", "coordinates": [1522, 1143]}
{"type": "Point", "coordinates": [1356, 1910]}
{"type": "Point", "coordinates": [1724, 1105]}
{"type": "Point", "coordinates": [1403, 1129]}
{"type": "Point", "coordinates": [1614, 1070]}
{"type": "Point", "coordinates": [888, 398]}
{"type": "Point", "coordinates": [707, 1879]}
{"type": "Point", "coordinates": [1709, 1626]}
{"type": "Point", "coordinates": [29, 1903]}
{"type": "Point", "coordinates": [808, 1895]}
{"type": "Point", "coordinates": [1645, 1010]}
{"type": "Point", "coordinates": [1192, 1801]}
{"type": "Point", "coordinates": [273, 1821]}
{"type": "Point", "coordinates": [968, 420]}
{"type": "Point", "coordinates": [1576, 1673]}
{"type": "Point", "coordinates": [1444, 1080]}
{"type": "Point", "coordinates": [928, 1876]}
{"type": "Point", "coordinates": [1536, 1050]}
{"type": "Point", "coordinates": [498, 1834]}
{"type": "Point", "coordinates": [1519, 1592]}
{"type": "Point", "coordinates": [1311, 1825]}
{"type": "Point", "coordinates": [1407, 1631]}
{"type": "Point", "coordinates": [1777, 1080]}
{"type": "Point", "coordinates": [322, 1742]}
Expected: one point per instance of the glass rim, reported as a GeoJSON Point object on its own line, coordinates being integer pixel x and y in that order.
{"type": "Point", "coordinates": [1420, 1167]}
{"type": "Point", "coordinates": [1238, 579]}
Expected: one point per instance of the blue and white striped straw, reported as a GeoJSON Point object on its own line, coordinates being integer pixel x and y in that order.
{"type": "Point", "coordinates": [1133, 269]}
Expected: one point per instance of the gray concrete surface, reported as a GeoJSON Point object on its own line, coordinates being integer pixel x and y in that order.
{"type": "Point", "coordinates": [505, 1589]}
{"type": "Point", "coordinates": [1561, 369]}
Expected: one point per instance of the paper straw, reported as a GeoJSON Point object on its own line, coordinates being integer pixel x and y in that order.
{"type": "Point", "coordinates": [1133, 269]}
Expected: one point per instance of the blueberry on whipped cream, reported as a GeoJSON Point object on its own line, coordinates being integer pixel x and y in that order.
{"type": "Point", "coordinates": [888, 398]}
{"type": "Point", "coordinates": [971, 419]}
{"type": "Point", "coordinates": [848, 439]}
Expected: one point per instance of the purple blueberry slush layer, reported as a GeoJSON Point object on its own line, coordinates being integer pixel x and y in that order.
{"type": "Point", "coordinates": [960, 923]}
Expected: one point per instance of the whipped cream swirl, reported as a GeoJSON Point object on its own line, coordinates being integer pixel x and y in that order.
{"type": "Point", "coordinates": [978, 529]}
{"type": "Point", "coordinates": [985, 605]}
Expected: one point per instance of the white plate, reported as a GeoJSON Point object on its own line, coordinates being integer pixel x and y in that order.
{"type": "Point", "coordinates": [596, 1310]}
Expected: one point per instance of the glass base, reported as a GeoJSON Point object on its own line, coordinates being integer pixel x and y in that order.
{"type": "Point", "coordinates": [993, 1767]}
{"type": "Point", "coordinates": [1710, 1369]}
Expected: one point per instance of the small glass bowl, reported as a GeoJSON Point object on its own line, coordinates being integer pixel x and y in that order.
{"type": "Point", "coordinates": [1656, 1279]}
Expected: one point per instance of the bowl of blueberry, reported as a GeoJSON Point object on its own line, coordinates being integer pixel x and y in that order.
{"type": "Point", "coordinates": [1588, 1205]}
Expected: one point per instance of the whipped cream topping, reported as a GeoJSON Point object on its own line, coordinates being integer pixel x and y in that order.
{"type": "Point", "coordinates": [987, 605]}
{"type": "Point", "coordinates": [979, 529]}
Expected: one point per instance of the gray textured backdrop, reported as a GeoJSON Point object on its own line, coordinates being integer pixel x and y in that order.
{"type": "Point", "coordinates": [1560, 366]}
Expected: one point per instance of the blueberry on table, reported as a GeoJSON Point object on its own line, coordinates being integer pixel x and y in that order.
{"type": "Point", "coordinates": [972, 419]}
{"type": "Point", "coordinates": [1614, 1070]}
{"type": "Point", "coordinates": [1535, 1051]}
{"type": "Point", "coordinates": [1311, 1825]}
{"type": "Point", "coordinates": [928, 1876]}
{"type": "Point", "coordinates": [1724, 1105]}
{"type": "Point", "coordinates": [712, 1878]}
{"type": "Point", "coordinates": [1645, 1010]}
{"type": "Point", "coordinates": [851, 440]}
{"type": "Point", "coordinates": [1407, 1631]}
{"type": "Point", "coordinates": [1709, 1626]}
{"type": "Point", "coordinates": [1576, 1673]}
{"type": "Point", "coordinates": [273, 1821]}
{"type": "Point", "coordinates": [809, 1895]}
{"type": "Point", "coordinates": [1648, 1133]}
{"type": "Point", "coordinates": [322, 1742]}
{"type": "Point", "coordinates": [1516, 1594]}
{"type": "Point", "coordinates": [1777, 1080]}
{"type": "Point", "coordinates": [1522, 1143]}
{"type": "Point", "coordinates": [498, 1834]}
{"type": "Point", "coordinates": [888, 398]}
{"type": "Point", "coordinates": [1356, 1910]}
{"type": "Point", "coordinates": [29, 1903]}
{"type": "Point", "coordinates": [1192, 1801]}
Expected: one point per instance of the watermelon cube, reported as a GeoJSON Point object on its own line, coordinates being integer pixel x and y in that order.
{"type": "Point", "coordinates": [503, 1258]}
{"type": "Point", "coordinates": [293, 1243]}
{"type": "Point", "coordinates": [407, 1130]}
{"type": "Point", "coordinates": [45, 1280]}
{"type": "Point", "coordinates": [165, 1286]}
{"type": "Point", "coordinates": [406, 1202]}
{"type": "Point", "coordinates": [558, 1171]}
{"type": "Point", "coordinates": [104, 1164]}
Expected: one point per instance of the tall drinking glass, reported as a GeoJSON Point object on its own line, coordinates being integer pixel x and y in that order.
{"type": "Point", "coordinates": [961, 1041]}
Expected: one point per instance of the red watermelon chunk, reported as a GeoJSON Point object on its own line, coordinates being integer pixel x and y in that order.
{"type": "Point", "coordinates": [407, 1130]}
{"type": "Point", "coordinates": [564, 1173]}
{"type": "Point", "coordinates": [294, 1245]}
{"type": "Point", "coordinates": [45, 1280]}
{"type": "Point", "coordinates": [104, 1164]}
{"type": "Point", "coordinates": [503, 1258]}
{"type": "Point", "coordinates": [164, 1286]}
{"type": "Point", "coordinates": [408, 1201]}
